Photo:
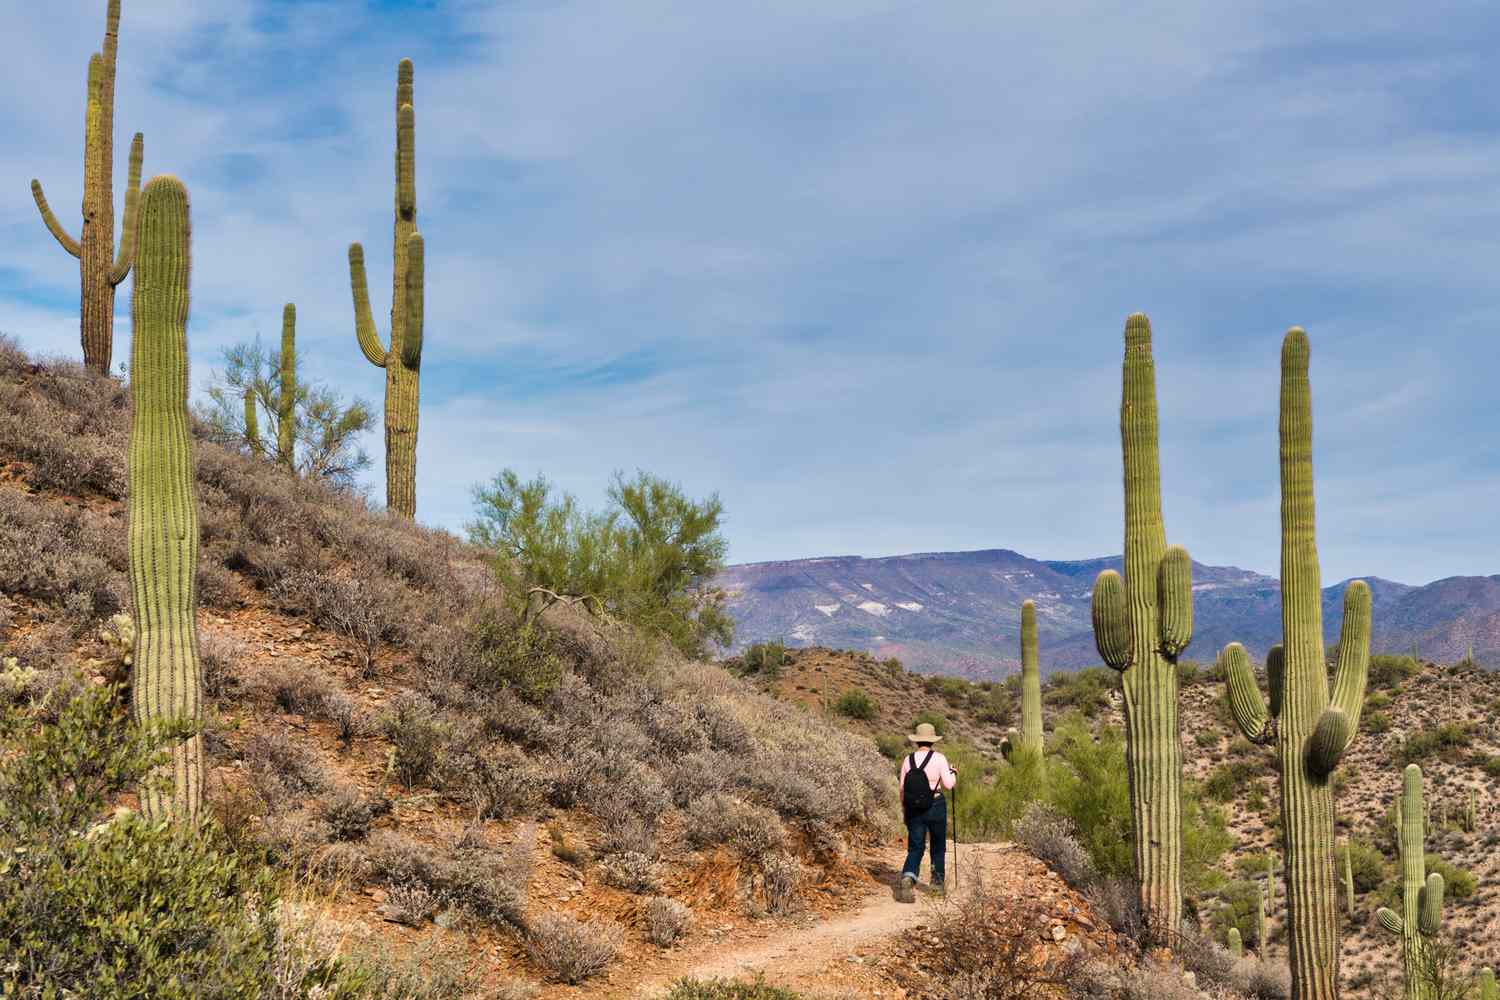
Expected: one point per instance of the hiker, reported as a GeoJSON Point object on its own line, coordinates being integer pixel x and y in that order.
{"type": "Point", "coordinates": [924, 775]}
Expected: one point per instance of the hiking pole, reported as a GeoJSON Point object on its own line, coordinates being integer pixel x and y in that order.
{"type": "Point", "coordinates": [955, 835]}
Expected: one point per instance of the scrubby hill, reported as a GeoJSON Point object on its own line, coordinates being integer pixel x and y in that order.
{"type": "Point", "coordinates": [440, 777]}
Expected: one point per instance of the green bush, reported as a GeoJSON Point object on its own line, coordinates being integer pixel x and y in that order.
{"type": "Point", "coordinates": [1242, 904]}
{"type": "Point", "coordinates": [1387, 671]}
{"type": "Point", "coordinates": [515, 656]}
{"type": "Point", "coordinates": [1188, 672]}
{"type": "Point", "coordinates": [1370, 867]}
{"type": "Point", "coordinates": [893, 667]}
{"type": "Point", "coordinates": [939, 722]}
{"type": "Point", "coordinates": [1226, 781]}
{"type": "Point", "coordinates": [1086, 690]}
{"type": "Point", "coordinates": [1443, 740]}
{"type": "Point", "coordinates": [857, 704]}
{"type": "Point", "coordinates": [1376, 723]}
{"type": "Point", "coordinates": [766, 659]}
{"type": "Point", "coordinates": [1492, 766]}
{"type": "Point", "coordinates": [1459, 883]}
{"type": "Point", "coordinates": [1378, 700]}
{"type": "Point", "coordinates": [892, 746]}
{"type": "Point", "coordinates": [649, 558]}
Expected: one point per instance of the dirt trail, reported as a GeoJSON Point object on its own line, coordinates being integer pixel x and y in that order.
{"type": "Point", "coordinates": [825, 957]}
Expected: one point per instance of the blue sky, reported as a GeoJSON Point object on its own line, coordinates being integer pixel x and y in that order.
{"type": "Point", "coordinates": [859, 266]}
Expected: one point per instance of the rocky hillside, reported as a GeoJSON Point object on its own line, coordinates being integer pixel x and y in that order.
{"type": "Point", "coordinates": [958, 613]}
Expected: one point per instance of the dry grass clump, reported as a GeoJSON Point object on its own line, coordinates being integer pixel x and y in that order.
{"type": "Point", "coordinates": [570, 951]}
{"type": "Point", "coordinates": [666, 920]}
{"type": "Point", "coordinates": [986, 950]}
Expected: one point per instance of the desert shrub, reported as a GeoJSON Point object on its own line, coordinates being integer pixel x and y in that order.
{"type": "Point", "coordinates": [1256, 977]}
{"type": "Point", "coordinates": [348, 721]}
{"type": "Point", "coordinates": [1388, 671]}
{"type": "Point", "coordinates": [489, 888]}
{"type": "Point", "coordinates": [937, 720]}
{"type": "Point", "coordinates": [220, 658]}
{"type": "Point", "coordinates": [295, 691]}
{"type": "Point", "coordinates": [494, 783]}
{"type": "Point", "coordinates": [986, 949]}
{"type": "Point", "coordinates": [512, 655]}
{"type": "Point", "coordinates": [1050, 838]}
{"type": "Point", "coordinates": [765, 659]}
{"type": "Point", "coordinates": [1118, 902]}
{"type": "Point", "coordinates": [1241, 898]}
{"type": "Point", "coordinates": [1460, 883]}
{"type": "Point", "coordinates": [417, 737]}
{"type": "Point", "coordinates": [1205, 958]}
{"type": "Point", "coordinates": [857, 704]}
{"type": "Point", "coordinates": [1188, 672]}
{"type": "Point", "coordinates": [71, 558]}
{"type": "Point", "coordinates": [282, 771]}
{"type": "Point", "coordinates": [666, 920]}
{"type": "Point", "coordinates": [1492, 766]}
{"type": "Point", "coordinates": [725, 989]}
{"type": "Point", "coordinates": [1376, 722]}
{"type": "Point", "coordinates": [781, 876]}
{"type": "Point", "coordinates": [131, 909]}
{"type": "Point", "coordinates": [1086, 690]}
{"type": "Point", "coordinates": [367, 609]}
{"type": "Point", "coordinates": [570, 951]}
{"type": "Point", "coordinates": [1443, 740]}
{"type": "Point", "coordinates": [752, 830]}
{"type": "Point", "coordinates": [348, 814]}
{"type": "Point", "coordinates": [893, 667]}
{"type": "Point", "coordinates": [1227, 780]}
{"type": "Point", "coordinates": [1378, 700]}
{"type": "Point", "coordinates": [1369, 865]}
{"type": "Point", "coordinates": [632, 871]}
{"type": "Point", "coordinates": [649, 558]}
{"type": "Point", "coordinates": [892, 746]}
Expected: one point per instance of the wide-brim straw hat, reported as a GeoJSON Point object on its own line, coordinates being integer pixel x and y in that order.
{"type": "Point", "coordinates": [924, 734]}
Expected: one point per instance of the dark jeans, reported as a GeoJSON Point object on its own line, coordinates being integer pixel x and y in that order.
{"type": "Point", "coordinates": [933, 823]}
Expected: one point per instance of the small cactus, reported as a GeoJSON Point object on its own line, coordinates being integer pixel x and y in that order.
{"type": "Point", "coordinates": [1349, 877]}
{"type": "Point", "coordinates": [101, 270]}
{"type": "Point", "coordinates": [1421, 892]}
{"type": "Point", "coordinates": [1236, 946]}
{"type": "Point", "coordinates": [1487, 988]}
{"type": "Point", "coordinates": [252, 424]}
{"type": "Point", "coordinates": [166, 684]}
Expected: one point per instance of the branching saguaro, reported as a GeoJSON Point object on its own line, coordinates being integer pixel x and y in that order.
{"type": "Point", "coordinates": [1310, 729]}
{"type": "Point", "coordinates": [402, 360]}
{"type": "Point", "coordinates": [100, 268]}
{"type": "Point", "coordinates": [166, 686]}
{"type": "Point", "coordinates": [1141, 625]}
{"type": "Point", "coordinates": [1421, 913]}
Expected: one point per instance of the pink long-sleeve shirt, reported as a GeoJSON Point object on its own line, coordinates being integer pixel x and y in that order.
{"type": "Point", "coordinates": [937, 770]}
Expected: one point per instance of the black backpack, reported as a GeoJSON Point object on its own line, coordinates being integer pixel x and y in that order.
{"type": "Point", "coordinates": [916, 791]}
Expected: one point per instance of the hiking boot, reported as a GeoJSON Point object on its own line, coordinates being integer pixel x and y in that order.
{"type": "Point", "coordinates": [938, 888]}
{"type": "Point", "coordinates": [906, 891]}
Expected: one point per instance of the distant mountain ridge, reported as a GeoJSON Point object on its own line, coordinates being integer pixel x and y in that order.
{"type": "Point", "coordinates": [959, 612]}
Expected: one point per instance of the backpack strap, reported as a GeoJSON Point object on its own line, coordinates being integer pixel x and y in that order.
{"type": "Point", "coordinates": [927, 761]}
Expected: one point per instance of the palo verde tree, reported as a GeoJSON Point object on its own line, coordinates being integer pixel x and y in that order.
{"type": "Point", "coordinates": [100, 268]}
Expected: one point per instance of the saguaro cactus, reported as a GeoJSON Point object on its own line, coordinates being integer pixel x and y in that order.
{"type": "Point", "coordinates": [286, 402]}
{"type": "Point", "coordinates": [1141, 625]}
{"type": "Point", "coordinates": [1236, 946]}
{"type": "Point", "coordinates": [1031, 683]}
{"type": "Point", "coordinates": [1421, 893]}
{"type": "Point", "coordinates": [166, 683]}
{"type": "Point", "coordinates": [402, 360]}
{"type": "Point", "coordinates": [1487, 988]}
{"type": "Point", "coordinates": [1349, 877]}
{"type": "Point", "coordinates": [1310, 730]}
{"type": "Point", "coordinates": [1262, 932]}
{"type": "Point", "coordinates": [100, 269]}
{"type": "Point", "coordinates": [252, 424]}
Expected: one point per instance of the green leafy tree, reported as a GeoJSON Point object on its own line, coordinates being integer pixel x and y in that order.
{"type": "Point", "coordinates": [649, 558]}
{"type": "Point", "coordinates": [325, 432]}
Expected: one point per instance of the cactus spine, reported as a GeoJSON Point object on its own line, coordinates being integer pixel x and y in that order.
{"type": "Point", "coordinates": [100, 269]}
{"type": "Point", "coordinates": [1421, 893]}
{"type": "Point", "coordinates": [1310, 729]}
{"type": "Point", "coordinates": [1236, 946]}
{"type": "Point", "coordinates": [402, 360]}
{"type": "Point", "coordinates": [286, 409]}
{"type": "Point", "coordinates": [166, 683]}
{"type": "Point", "coordinates": [1031, 683]}
{"type": "Point", "coordinates": [1141, 625]}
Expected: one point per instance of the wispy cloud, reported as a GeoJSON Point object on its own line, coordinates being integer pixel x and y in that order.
{"type": "Point", "coordinates": [859, 266]}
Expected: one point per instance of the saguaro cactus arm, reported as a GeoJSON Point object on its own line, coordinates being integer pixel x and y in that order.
{"type": "Point", "coordinates": [1175, 600]}
{"type": "Point", "coordinates": [126, 256]}
{"type": "Point", "coordinates": [1488, 990]}
{"type": "Point", "coordinates": [411, 336]}
{"type": "Point", "coordinates": [1245, 702]}
{"type": "Point", "coordinates": [252, 424]}
{"type": "Point", "coordinates": [1112, 631]}
{"type": "Point", "coordinates": [67, 242]}
{"type": "Point", "coordinates": [364, 320]}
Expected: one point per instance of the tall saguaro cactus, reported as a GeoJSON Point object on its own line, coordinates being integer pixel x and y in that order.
{"type": "Point", "coordinates": [1421, 893]}
{"type": "Point", "coordinates": [166, 682]}
{"type": "Point", "coordinates": [1309, 729]}
{"type": "Point", "coordinates": [100, 268]}
{"type": "Point", "coordinates": [1031, 683]}
{"type": "Point", "coordinates": [1141, 625]}
{"type": "Point", "coordinates": [286, 401]}
{"type": "Point", "coordinates": [402, 360]}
